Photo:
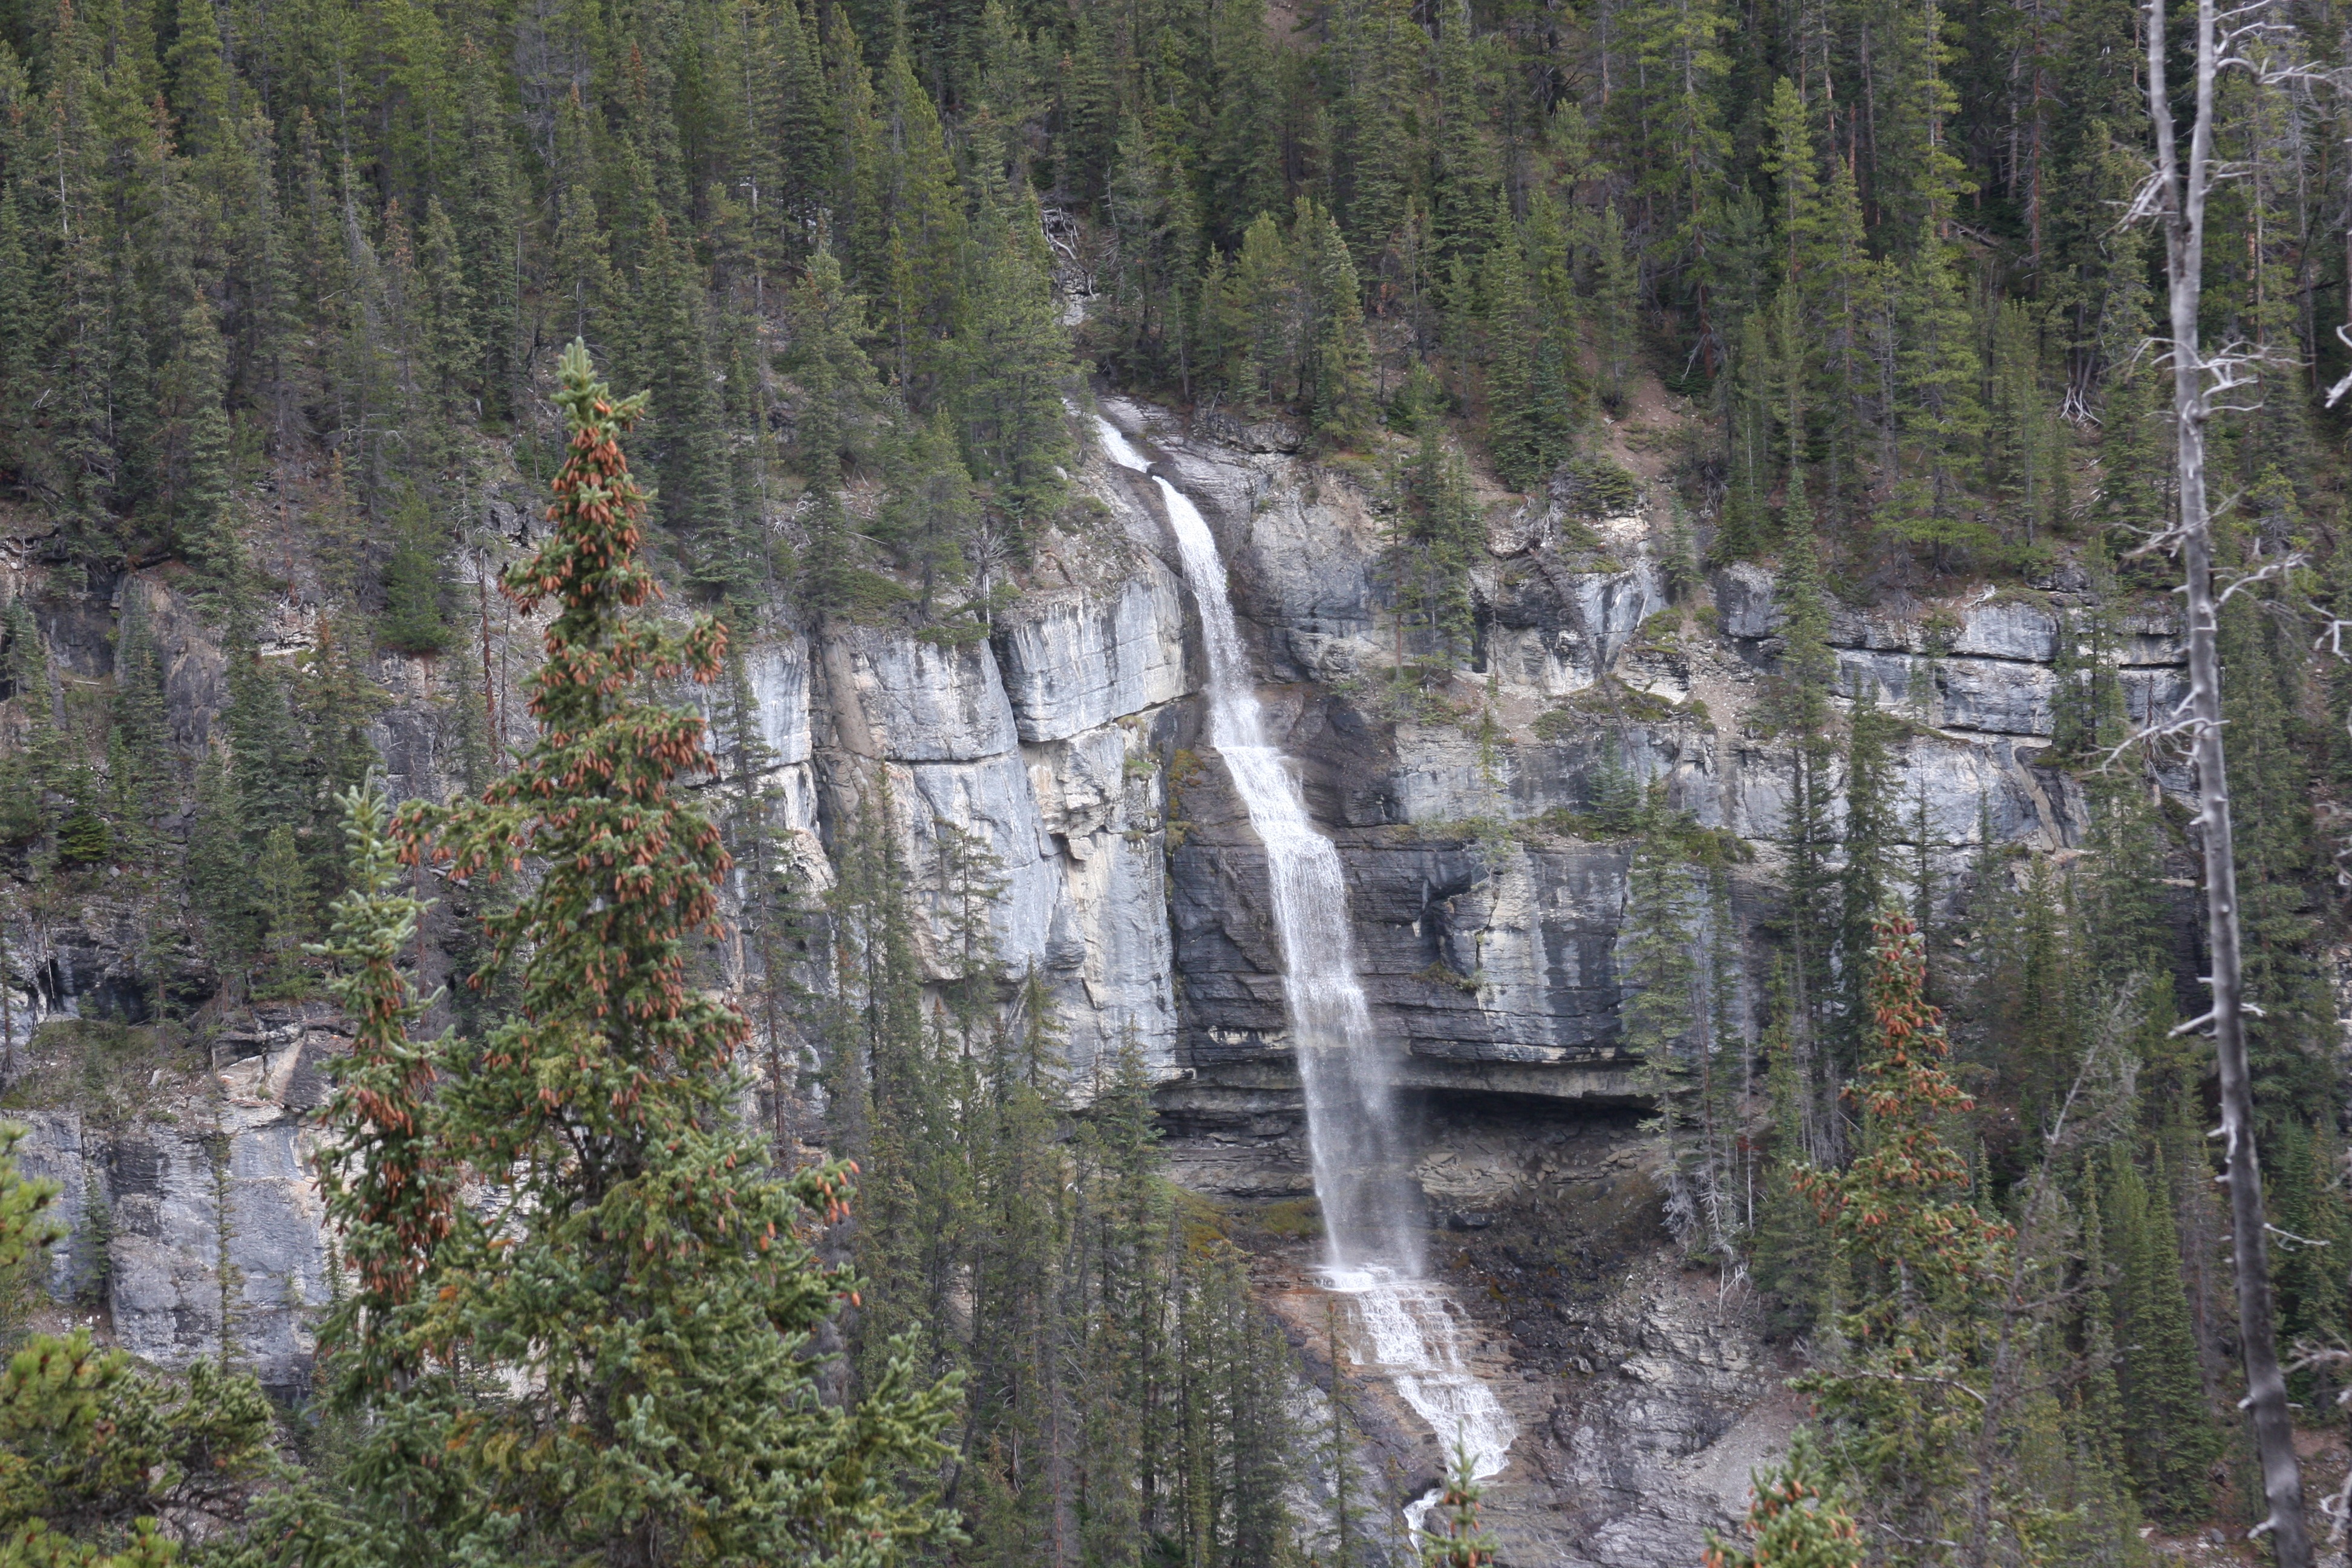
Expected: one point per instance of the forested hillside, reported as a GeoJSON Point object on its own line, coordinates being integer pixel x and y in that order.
{"type": "Point", "coordinates": [1823, 333]}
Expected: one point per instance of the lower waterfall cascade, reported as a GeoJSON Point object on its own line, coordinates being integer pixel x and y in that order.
{"type": "Point", "coordinates": [1407, 1328]}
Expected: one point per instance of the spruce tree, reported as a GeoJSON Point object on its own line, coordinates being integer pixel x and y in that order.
{"type": "Point", "coordinates": [2100, 1420]}
{"type": "Point", "coordinates": [1661, 1015]}
{"type": "Point", "coordinates": [1866, 882]}
{"type": "Point", "coordinates": [1335, 382]}
{"type": "Point", "coordinates": [2170, 1438]}
{"type": "Point", "coordinates": [413, 622]}
{"type": "Point", "coordinates": [195, 440]}
{"type": "Point", "coordinates": [653, 1279]}
{"type": "Point", "coordinates": [1436, 533]}
{"type": "Point", "coordinates": [283, 884]}
{"type": "Point", "coordinates": [1012, 365]}
{"type": "Point", "coordinates": [1616, 308]}
{"type": "Point", "coordinates": [1460, 1541]}
{"type": "Point", "coordinates": [390, 1184]}
{"type": "Point", "coordinates": [1514, 435]}
{"type": "Point", "coordinates": [1930, 1266]}
{"type": "Point", "coordinates": [1796, 1519]}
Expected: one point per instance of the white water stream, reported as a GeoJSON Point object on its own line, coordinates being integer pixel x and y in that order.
{"type": "Point", "coordinates": [1407, 1328]}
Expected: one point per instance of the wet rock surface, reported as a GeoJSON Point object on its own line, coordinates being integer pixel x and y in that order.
{"type": "Point", "coordinates": [1642, 1392]}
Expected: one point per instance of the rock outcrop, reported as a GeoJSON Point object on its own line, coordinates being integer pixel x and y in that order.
{"type": "Point", "coordinates": [1060, 757]}
{"type": "Point", "coordinates": [197, 1204]}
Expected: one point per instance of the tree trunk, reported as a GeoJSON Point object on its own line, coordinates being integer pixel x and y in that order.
{"type": "Point", "coordinates": [2182, 209]}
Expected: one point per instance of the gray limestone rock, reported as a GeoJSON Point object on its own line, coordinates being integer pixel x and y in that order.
{"type": "Point", "coordinates": [1998, 696]}
{"type": "Point", "coordinates": [1077, 661]}
{"type": "Point", "coordinates": [1300, 546]}
{"type": "Point", "coordinates": [1744, 601]}
{"type": "Point", "coordinates": [2008, 628]}
{"type": "Point", "coordinates": [214, 1206]}
{"type": "Point", "coordinates": [919, 702]}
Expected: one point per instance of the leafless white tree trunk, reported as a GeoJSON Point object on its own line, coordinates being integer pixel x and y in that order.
{"type": "Point", "coordinates": [2176, 198]}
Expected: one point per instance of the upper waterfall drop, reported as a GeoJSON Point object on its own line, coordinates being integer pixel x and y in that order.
{"type": "Point", "coordinates": [1370, 1211]}
{"type": "Point", "coordinates": [1408, 1330]}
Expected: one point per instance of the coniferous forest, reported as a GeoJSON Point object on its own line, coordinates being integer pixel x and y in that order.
{"type": "Point", "coordinates": [528, 528]}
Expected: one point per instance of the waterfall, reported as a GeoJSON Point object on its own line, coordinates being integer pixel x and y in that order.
{"type": "Point", "coordinates": [1407, 1329]}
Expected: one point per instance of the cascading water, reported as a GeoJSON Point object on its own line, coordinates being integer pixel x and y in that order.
{"type": "Point", "coordinates": [1407, 1328]}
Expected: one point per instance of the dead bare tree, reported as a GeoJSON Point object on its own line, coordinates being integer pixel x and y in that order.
{"type": "Point", "coordinates": [2176, 196]}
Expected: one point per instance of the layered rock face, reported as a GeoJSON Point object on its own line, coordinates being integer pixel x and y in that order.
{"type": "Point", "coordinates": [1487, 920]}
{"type": "Point", "coordinates": [196, 1203]}
{"type": "Point", "coordinates": [1488, 906]}
{"type": "Point", "coordinates": [1062, 757]}
{"type": "Point", "coordinates": [1035, 748]}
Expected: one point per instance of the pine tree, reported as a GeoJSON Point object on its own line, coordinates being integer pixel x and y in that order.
{"type": "Point", "coordinates": [1264, 310]}
{"type": "Point", "coordinates": [413, 622]}
{"type": "Point", "coordinates": [1516, 439]}
{"type": "Point", "coordinates": [837, 381]}
{"type": "Point", "coordinates": [84, 839]}
{"type": "Point", "coordinates": [1929, 1264]}
{"type": "Point", "coordinates": [659, 1228]}
{"type": "Point", "coordinates": [1660, 1013]}
{"type": "Point", "coordinates": [1436, 533]}
{"type": "Point", "coordinates": [1745, 392]}
{"type": "Point", "coordinates": [1795, 1519]}
{"type": "Point", "coordinates": [451, 352]}
{"type": "Point", "coordinates": [1866, 882]}
{"type": "Point", "coordinates": [194, 440]}
{"type": "Point", "coordinates": [21, 333]}
{"type": "Point", "coordinates": [390, 1187]}
{"type": "Point", "coordinates": [283, 885]}
{"type": "Point", "coordinates": [1801, 705]}
{"type": "Point", "coordinates": [2100, 1419]}
{"type": "Point", "coordinates": [2169, 1438]}
{"type": "Point", "coordinates": [1334, 382]}
{"type": "Point", "coordinates": [1616, 308]}
{"type": "Point", "coordinates": [1347, 1525]}
{"type": "Point", "coordinates": [2309, 1201]}
{"type": "Point", "coordinates": [582, 266]}
{"type": "Point", "coordinates": [1012, 366]}
{"type": "Point", "coordinates": [1463, 1543]}
{"type": "Point", "coordinates": [140, 713]}
{"type": "Point", "coordinates": [932, 521]}
{"type": "Point", "coordinates": [1151, 208]}
{"type": "Point", "coordinates": [1938, 418]}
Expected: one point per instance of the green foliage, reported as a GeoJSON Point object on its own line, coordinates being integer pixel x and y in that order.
{"type": "Point", "coordinates": [284, 885]}
{"type": "Point", "coordinates": [1795, 1519]}
{"type": "Point", "coordinates": [661, 1292]}
{"type": "Point", "coordinates": [1926, 1263]}
{"type": "Point", "coordinates": [1436, 531]}
{"type": "Point", "coordinates": [83, 837]}
{"type": "Point", "coordinates": [388, 1184]}
{"type": "Point", "coordinates": [1117, 1371]}
{"type": "Point", "coordinates": [1459, 1542]}
{"type": "Point", "coordinates": [413, 621]}
{"type": "Point", "coordinates": [103, 1466]}
{"type": "Point", "coordinates": [1674, 947]}
{"type": "Point", "coordinates": [2168, 1435]}
{"type": "Point", "coordinates": [1597, 487]}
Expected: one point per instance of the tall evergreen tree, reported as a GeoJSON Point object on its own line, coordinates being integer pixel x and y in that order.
{"type": "Point", "coordinates": [660, 1290]}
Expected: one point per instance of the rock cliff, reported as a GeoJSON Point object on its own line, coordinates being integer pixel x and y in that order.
{"type": "Point", "coordinates": [1067, 745]}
